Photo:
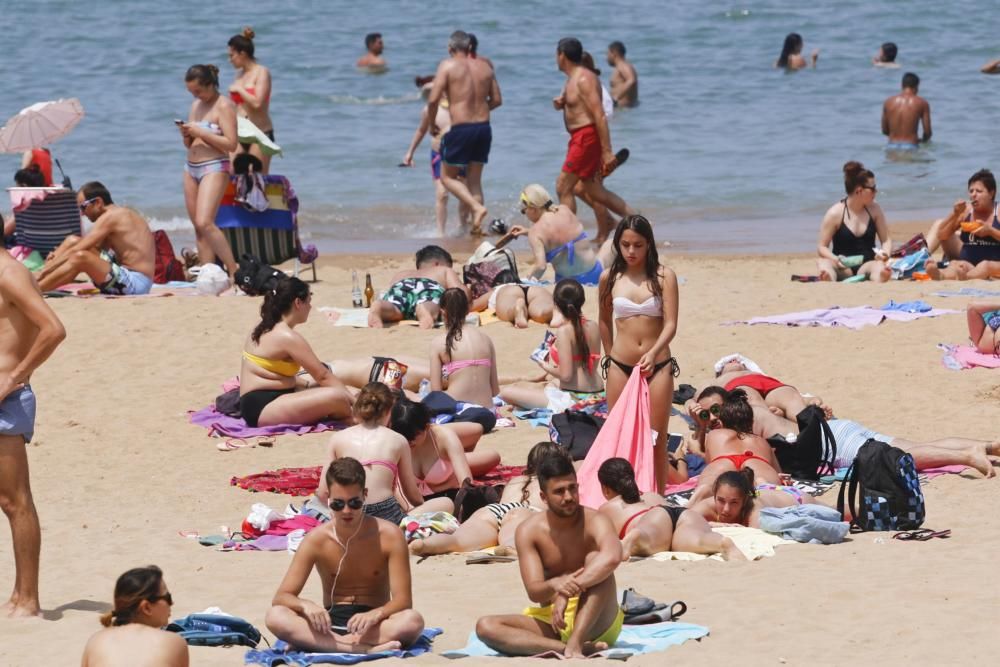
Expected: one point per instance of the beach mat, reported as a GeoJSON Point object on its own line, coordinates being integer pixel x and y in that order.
{"type": "Point", "coordinates": [857, 317]}
{"type": "Point", "coordinates": [753, 542]}
{"type": "Point", "coordinates": [968, 291]}
{"type": "Point", "coordinates": [633, 640]}
{"type": "Point", "coordinates": [963, 357]}
{"type": "Point", "coordinates": [283, 654]}
{"type": "Point", "coordinates": [346, 317]}
{"type": "Point", "coordinates": [224, 426]}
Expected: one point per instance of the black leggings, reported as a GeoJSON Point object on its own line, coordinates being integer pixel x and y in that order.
{"type": "Point", "coordinates": [627, 368]}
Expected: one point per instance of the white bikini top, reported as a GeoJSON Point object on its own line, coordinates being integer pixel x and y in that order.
{"type": "Point", "coordinates": [622, 307]}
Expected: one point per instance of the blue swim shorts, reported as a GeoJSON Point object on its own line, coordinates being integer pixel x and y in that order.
{"type": "Point", "coordinates": [17, 413]}
{"type": "Point", "coordinates": [123, 280]}
{"type": "Point", "coordinates": [467, 142]}
{"type": "Point", "coordinates": [901, 146]}
{"type": "Point", "coordinates": [591, 277]}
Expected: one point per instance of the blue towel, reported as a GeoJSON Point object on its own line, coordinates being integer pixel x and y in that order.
{"type": "Point", "coordinates": [967, 291]}
{"type": "Point", "coordinates": [916, 306]}
{"type": "Point", "coordinates": [536, 417]}
{"type": "Point", "coordinates": [815, 524]}
{"type": "Point", "coordinates": [279, 654]}
{"type": "Point", "coordinates": [633, 640]}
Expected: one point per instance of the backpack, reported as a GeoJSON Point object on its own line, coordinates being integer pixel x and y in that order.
{"type": "Point", "coordinates": [167, 266]}
{"type": "Point", "coordinates": [883, 489]}
{"type": "Point", "coordinates": [814, 451]}
{"type": "Point", "coordinates": [489, 267]}
{"type": "Point", "coordinates": [215, 630]}
{"type": "Point", "coordinates": [575, 432]}
{"type": "Point", "coordinates": [255, 277]}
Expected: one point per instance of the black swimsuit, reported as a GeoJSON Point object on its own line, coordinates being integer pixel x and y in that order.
{"type": "Point", "coordinates": [846, 244]}
{"type": "Point", "coordinates": [627, 368]}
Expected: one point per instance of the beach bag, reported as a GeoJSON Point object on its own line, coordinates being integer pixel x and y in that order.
{"type": "Point", "coordinates": [883, 489]}
{"type": "Point", "coordinates": [215, 630]}
{"type": "Point", "coordinates": [488, 267]}
{"type": "Point", "coordinates": [255, 277]}
{"type": "Point", "coordinates": [472, 497]}
{"type": "Point", "coordinates": [388, 371]}
{"type": "Point", "coordinates": [210, 279]}
{"type": "Point", "coordinates": [575, 432]}
{"type": "Point", "coordinates": [167, 266]}
{"type": "Point", "coordinates": [814, 451]}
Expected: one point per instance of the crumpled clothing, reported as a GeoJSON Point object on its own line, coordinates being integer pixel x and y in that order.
{"type": "Point", "coordinates": [419, 526]}
{"type": "Point", "coordinates": [915, 306]}
{"type": "Point", "coordinates": [260, 518]}
{"type": "Point", "coordinates": [749, 364]}
{"type": "Point", "coordinates": [812, 523]}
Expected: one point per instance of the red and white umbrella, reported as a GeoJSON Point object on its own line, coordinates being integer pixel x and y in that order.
{"type": "Point", "coordinates": [40, 125]}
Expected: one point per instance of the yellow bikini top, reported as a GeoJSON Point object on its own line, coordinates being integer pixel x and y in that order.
{"type": "Point", "coordinates": [286, 368]}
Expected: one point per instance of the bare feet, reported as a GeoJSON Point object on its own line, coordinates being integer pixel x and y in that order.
{"type": "Point", "coordinates": [932, 269]}
{"type": "Point", "coordinates": [824, 277]}
{"type": "Point", "coordinates": [993, 448]}
{"type": "Point", "coordinates": [730, 551]}
{"type": "Point", "coordinates": [417, 547]}
{"type": "Point", "coordinates": [477, 221]}
{"type": "Point", "coordinates": [981, 462]}
{"type": "Point", "coordinates": [374, 321]}
{"type": "Point", "coordinates": [386, 646]}
{"type": "Point", "coordinates": [13, 608]}
{"type": "Point", "coordinates": [588, 648]}
{"type": "Point", "coordinates": [520, 315]}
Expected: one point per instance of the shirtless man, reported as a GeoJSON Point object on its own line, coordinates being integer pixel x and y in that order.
{"type": "Point", "coordinates": [589, 153]}
{"type": "Point", "coordinates": [29, 332]}
{"type": "Point", "coordinates": [373, 60]}
{"type": "Point", "coordinates": [567, 557]}
{"type": "Point", "coordinates": [367, 599]}
{"type": "Point", "coordinates": [415, 293]}
{"type": "Point", "coordinates": [624, 79]}
{"type": "Point", "coordinates": [473, 92]}
{"type": "Point", "coordinates": [886, 56]}
{"type": "Point", "coordinates": [902, 113]}
{"type": "Point", "coordinates": [119, 254]}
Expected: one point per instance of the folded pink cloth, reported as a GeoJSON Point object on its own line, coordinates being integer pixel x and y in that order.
{"type": "Point", "coordinates": [21, 198]}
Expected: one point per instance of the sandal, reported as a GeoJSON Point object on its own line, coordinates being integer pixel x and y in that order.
{"type": "Point", "coordinates": [234, 443]}
{"type": "Point", "coordinates": [921, 535]}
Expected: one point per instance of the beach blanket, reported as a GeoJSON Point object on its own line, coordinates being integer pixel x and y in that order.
{"type": "Point", "coordinates": [926, 474]}
{"type": "Point", "coordinates": [633, 640]}
{"type": "Point", "coordinates": [857, 317]}
{"type": "Point", "coordinates": [283, 654]}
{"type": "Point", "coordinates": [962, 357]}
{"type": "Point", "coordinates": [223, 426]}
{"type": "Point", "coordinates": [627, 434]}
{"type": "Point", "coordinates": [753, 542]}
{"type": "Point", "coordinates": [968, 291]}
{"type": "Point", "coordinates": [346, 317]}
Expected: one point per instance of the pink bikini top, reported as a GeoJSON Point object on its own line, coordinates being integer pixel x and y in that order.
{"type": "Point", "coordinates": [452, 366]}
{"type": "Point", "coordinates": [385, 464]}
{"type": "Point", "coordinates": [439, 473]}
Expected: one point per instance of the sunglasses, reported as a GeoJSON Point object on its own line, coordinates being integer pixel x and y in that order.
{"type": "Point", "coordinates": [355, 503]}
{"type": "Point", "coordinates": [86, 203]}
{"type": "Point", "coordinates": [714, 410]}
{"type": "Point", "coordinates": [166, 596]}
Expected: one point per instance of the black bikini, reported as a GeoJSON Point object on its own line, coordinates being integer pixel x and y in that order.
{"type": "Point", "coordinates": [627, 368]}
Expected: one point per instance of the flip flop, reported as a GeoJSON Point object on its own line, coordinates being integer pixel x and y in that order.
{"type": "Point", "coordinates": [234, 443]}
{"type": "Point", "coordinates": [921, 535]}
{"type": "Point", "coordinates": [805, 279]}
{"type": "Point", "coordinates": [620, 158]}
{"type": "Point", "coordinates": [670, 612]}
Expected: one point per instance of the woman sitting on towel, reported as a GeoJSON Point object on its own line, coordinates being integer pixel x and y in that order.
{"type": "Point", "coordinates": [440, 463]}
{"type": "Point", "coordinates": [132, 627]}
{"type": "Point", "coordinates": [647, 525]}
{"type": "Point", "coordinates": [463, 361]}
{"type": "Point", "coordinates": [517, 303]}
{"type": "Point", "coordinates": [638, 319]}
{"type": "Point", "coordinates": [272, 391]}
{"type": "Point", "coordinates": [496, 523]}
{"type": "Point", "coordinates": [851, 226]}
{"type": "Point", "coordinates": [385, 456]}
{"type": "Point", "coordinates": [572, 364]}
{"type": "Point", "coordinates": [970, 235]}
{"type": "Point", "coordinates": [251, 91]}
{"type": "Point", "coordinates": [737, 498]}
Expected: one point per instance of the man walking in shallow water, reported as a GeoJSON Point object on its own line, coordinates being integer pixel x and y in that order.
{"type": "Point", "coordinates": [29, 332]}
{"type": "Point", "coordinates": [473, 92]}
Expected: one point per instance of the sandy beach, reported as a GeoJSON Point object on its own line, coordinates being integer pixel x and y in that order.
{"type": "Point", "coordinates": [117, 471]}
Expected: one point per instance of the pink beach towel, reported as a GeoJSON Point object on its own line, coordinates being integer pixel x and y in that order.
{"type": "Point", "coordinates": [627, 434]}
{"type": "Point", "coordinates": [961, 357]}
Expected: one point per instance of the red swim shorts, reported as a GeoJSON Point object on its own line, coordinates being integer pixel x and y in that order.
{"type": "Point", "coordinates": [583, 156]}
{"type": "Point", "coordinates": [762, 383]}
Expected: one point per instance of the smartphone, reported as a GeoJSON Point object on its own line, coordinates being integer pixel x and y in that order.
{"type": "Point", "coordinates": [178, 121]}
{"type": "Point", "coordinates": [674, 441]}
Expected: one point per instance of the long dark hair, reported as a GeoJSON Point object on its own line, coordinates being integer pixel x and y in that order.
{"type": "Point", "coordinates": [455, 305]}
{"type": "Point", "coordinates": [569, 296]}
{"type": "Point", "coordinates": [736, 412]}
{"type": "Point", "coordinates": [793, 44]}
{"type": "Point", "coordinates": [744, 482]}
{"type": "Point", "coordinates": [136, 585]}
{"type": "Point", "coordinates": [409, 418]}
{"type": "Point", "coordinates": [535, 456]}
{"type": "Point", "coordinates": [640, 226]}
{"type": "Point", "coordinates": [277, 303]}
{"type": "Point", "coordinates": [617, 474]}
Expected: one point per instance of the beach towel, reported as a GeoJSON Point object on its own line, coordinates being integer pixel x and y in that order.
{"type": "Point", "coordinates": [968, 291]}
{"type": "Point", "coordinates": [748, 363]}
{"type": "Point", "coordinates": [283, 654]}
{"type": "Point", "coordinates": [627, 434]}
{"type": "Point", "coordinates": [857, 317]}
{"type": "Point", "coordinates": [753, 542]}
{"type": "Point", "coordinates": [811, 523]}
{"type": "Point", "coordinates": [346, 317]}
{"type": "Point", "coordinates": [962, 357]}
{"type": "Point", "coordinates": [633, 640]}
{"type": "Point", "coordinates": [220, 425]}
{"type": "Point", "coordinates": [904, 267]}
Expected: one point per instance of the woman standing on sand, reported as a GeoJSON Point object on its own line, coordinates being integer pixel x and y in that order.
{"type": "Point", "coordinates": [132, 634]}
{"type": "Point", "coordinates": [251, 91]}
{"type": "Point", "coordinates": [638, 319]}
{"type": "Point", "coordinates": [210, 136]}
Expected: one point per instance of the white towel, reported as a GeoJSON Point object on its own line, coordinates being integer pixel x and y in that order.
{"type": "Point", "coordinates": [750, 364]}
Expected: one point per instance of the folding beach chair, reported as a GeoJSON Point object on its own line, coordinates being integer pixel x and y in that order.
{"type": "Point", "coordinates": [44, 217]}
{"type": "Point", "coordinates": [271, 235]}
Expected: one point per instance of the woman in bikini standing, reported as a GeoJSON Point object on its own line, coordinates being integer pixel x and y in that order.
{"type": "Point", "coordinates": [390, 481]}
{"type": "Point", "coordinates": [851, 226]}
{"type": "Point", "coordinates": [210, 136]}
{"type": "Point", "coordinates": [638, 320]}
{"type": "Point", "coordinates": [251, 91]}
{"type": "Point", "coordinates": [464, 358]}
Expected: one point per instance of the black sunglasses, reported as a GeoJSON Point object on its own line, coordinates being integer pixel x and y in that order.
{"type": "Point", "coordinates": [166, 596]}
{"type": "Point", "coordinates": [355, 503]}
{"type": "Point", "coordinates": [714, 410]}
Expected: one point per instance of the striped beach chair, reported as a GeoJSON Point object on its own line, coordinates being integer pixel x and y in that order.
{"type": "Point", "coordinates": [44, 217]}
{"type": "Point", "coordinates": [271, 235]}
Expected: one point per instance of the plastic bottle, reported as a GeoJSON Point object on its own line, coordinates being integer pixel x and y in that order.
{"type": "Point", "coordinates": [355, 290]}
{"type": "Point", "coordinates": [369, 291]}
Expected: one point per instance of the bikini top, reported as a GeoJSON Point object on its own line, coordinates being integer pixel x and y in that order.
{"type": "Point", "coordinates": [592, 358]}
{"type": "Point", "coordinates": [439, 473]}
{"type": "Point", "coordinates": [278, 366]}
{"type": "Point", "coordinates": [238, 99]}
{"type": "Point", "coordinates": [211, 127]}
{"type": "Point", "coordinates": [623, 307]}
{"type": "Point", "coordinates": [389, 465]}
{"type": "Point", "coordinates": [569, 247]}
{"type": "Point", "coordinates": [452, 366]}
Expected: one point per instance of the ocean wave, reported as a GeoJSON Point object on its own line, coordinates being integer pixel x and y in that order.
{"type": "Point", "coordinates": [173, 224]}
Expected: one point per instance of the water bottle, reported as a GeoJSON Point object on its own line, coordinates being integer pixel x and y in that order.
{"type": "Point", "coordinates": [355, 290]}
{"type": "Point", "coordinates": [425, 388]}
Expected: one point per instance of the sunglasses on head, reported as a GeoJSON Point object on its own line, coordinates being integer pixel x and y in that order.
{"type": "Point", "coordinates": [355, 503]}
{"type": "Point", "coordinates": [86, 203]}
{"type": "Point", "coordinates": [714, 410]}
{"type": "Point", "coordinates": [166, 596]}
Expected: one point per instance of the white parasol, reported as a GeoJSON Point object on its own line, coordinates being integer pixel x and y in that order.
{"type": "Point", "coordinates": [39, 125]}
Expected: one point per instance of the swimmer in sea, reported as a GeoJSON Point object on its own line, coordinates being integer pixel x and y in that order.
{"type": "Point", "coordinates": [886, 56]}
{"type": "Point", "coordinates": [902, 113]}
{"type": "Point", "coordinates": [373, 60]}
{"type": "Point", "coordinates": [791, 54]}
{"type": "Point", "coordinates": [624, 79]}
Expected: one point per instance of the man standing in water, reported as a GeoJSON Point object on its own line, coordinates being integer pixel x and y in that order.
{"type": "Point", "coordinates": [29, 332]}
{"type": "Point", "coordinates": [589, 150]}
{"type": "Point", "coordinates": [373, 59]}
{"type": "Point", "coordinates": [902, 113]}
{"type": "Point", "coordinates": [473, 92]}
{"type": "Point", "coordinates": [624, 79]}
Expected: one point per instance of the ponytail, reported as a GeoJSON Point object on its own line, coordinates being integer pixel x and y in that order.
{"type": "Point", "coordinates": [569, 296]}
{"type": "Point", "coordinates": [278, 303]}
{"type": "Point", "coordinates": [455, 305]}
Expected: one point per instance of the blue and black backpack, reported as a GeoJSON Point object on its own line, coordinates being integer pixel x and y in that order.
{"type": "Point", "coordinates": [883, 490]}
{"type": "Point", "coordinates": [215, 630]}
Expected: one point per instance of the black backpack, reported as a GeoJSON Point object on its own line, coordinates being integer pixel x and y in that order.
{"type": "Point", "coordinates": [814, 451]}
{"type": "Point", "coordinates": [255, 277]}
{"type": "Point", "coordinates": [883, 489]}
{"type": "Point", "coordinates": [575, 432]}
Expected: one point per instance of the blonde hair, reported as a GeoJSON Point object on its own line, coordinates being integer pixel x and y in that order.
{"type": "Point", "coordinates": [536, 196]}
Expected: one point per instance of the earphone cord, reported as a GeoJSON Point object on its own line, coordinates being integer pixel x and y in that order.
{"type": "Point", "coordinates": [346, 546]}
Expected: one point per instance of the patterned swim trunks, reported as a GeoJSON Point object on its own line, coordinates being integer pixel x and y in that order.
{"type": "Point", "coordinates": [408, 293]}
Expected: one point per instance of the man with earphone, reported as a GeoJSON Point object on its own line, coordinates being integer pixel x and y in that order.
{"type": "Point", "coordinates": [364, 567]}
